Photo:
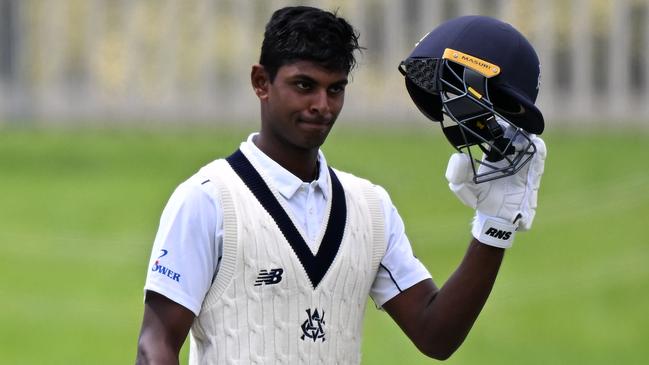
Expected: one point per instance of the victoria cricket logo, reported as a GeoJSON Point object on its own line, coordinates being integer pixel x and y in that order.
{"type": "Point", "coordinates": [313, 327]}
{"type": "Point", "coordinates": [266, 277]}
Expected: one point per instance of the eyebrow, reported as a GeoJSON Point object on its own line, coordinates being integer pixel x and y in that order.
{"type": "Point", "coordinates": [341, 82]}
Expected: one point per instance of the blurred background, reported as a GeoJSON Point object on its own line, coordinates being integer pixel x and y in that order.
{"type": "Point", "coordinates": [107, 105]}
{"type": "Point", "coordinates": [167, 60]}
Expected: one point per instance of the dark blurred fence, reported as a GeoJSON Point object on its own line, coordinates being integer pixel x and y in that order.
{"type": "Point", "coordinates": [180, 60]}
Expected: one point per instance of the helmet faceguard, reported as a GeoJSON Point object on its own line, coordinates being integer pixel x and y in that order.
{"type": "Point", "coordinates": [460, 82]}
{"type": "Point", "coordinates": [484, 76]}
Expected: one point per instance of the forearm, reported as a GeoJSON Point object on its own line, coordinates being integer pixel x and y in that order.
{"type": "Point", "coordinates": [438, 320]}
{"type": "Point", "coordinates": [458, 303]}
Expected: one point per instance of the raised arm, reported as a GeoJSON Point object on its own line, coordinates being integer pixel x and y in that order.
{"type": "Point", "coordinates": [164, 329]}
{"type": "Point", "coordinates": [438, 320]}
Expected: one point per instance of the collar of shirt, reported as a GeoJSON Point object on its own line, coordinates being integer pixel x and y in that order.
{"type": "Point", "coordinates": [287, 184]}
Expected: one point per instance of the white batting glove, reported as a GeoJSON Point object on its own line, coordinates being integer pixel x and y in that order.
{"type": "Point", "coordinates": [503, 206]}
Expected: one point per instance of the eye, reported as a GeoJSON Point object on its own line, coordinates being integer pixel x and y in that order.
{"type": "Point", "coordinates": [303, 85]}
{"type": "Point", "coordinates": [337, 89]}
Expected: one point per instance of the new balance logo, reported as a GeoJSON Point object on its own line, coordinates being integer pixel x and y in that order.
{"type": "Point", "coordinates": [266, 277]}
{"type": "Point", "coordinates": [503, 235]}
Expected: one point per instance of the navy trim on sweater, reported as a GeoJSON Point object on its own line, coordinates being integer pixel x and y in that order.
{"type": "Point", "coordinates": [315, 266]}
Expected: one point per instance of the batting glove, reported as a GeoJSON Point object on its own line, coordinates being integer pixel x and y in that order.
{"type": "Point", "coordinates": [503, 206]}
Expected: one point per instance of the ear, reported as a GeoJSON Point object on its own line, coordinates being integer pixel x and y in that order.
{"type": "Point", "coordinates": [260, 81]}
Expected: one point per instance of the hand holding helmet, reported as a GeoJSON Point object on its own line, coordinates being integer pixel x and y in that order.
{"type": "Point", "coordinates": [484, 76]}
{"type": "Point", "coordinates": [503, 206]}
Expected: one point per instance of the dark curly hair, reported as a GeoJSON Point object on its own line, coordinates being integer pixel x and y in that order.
{"type": "Point", "coordinates": [306, 33]}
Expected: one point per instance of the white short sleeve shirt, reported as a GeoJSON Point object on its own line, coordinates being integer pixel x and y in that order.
{"type": "Point", "coordinates": [188, 245]}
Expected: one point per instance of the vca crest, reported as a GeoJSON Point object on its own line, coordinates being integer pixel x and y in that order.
{"type": "Point", "coordinates": [314, 325]}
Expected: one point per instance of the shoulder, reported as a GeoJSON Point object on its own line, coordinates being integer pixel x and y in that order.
{"type": "Point", "coordinates": [201, 187]}
{"type": "Point", "coordinates": [213, 169]}
{"type": "Point", "coordinates": [349, 180]}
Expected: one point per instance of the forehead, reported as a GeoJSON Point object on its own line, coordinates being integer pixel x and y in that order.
{"type": "Point", "coordinates": [311, 70]}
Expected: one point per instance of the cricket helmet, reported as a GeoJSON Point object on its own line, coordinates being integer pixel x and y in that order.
{"type": "Point", "coordinates": [484, 76]}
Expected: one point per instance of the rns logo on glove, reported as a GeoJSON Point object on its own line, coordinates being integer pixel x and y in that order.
{"type": "Point", "coordinates": [498, 233]}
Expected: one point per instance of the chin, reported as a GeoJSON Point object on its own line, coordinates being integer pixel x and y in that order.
{"type": "Point", "coordinates": [315, 137]}
{"type": "Point", "coordinates": [310, 142]}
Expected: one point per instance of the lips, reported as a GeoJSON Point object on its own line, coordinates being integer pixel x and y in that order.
{"type": "Point", "coordinates": [315, 125]}
{"type": "Point", "coordinates": [318, 121]}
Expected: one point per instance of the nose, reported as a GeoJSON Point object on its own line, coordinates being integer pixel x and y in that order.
{"type": "Point", "coordinates": [320, 103]}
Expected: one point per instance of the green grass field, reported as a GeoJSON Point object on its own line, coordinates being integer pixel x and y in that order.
{"type": "Point", "coordinates": [79, 210]}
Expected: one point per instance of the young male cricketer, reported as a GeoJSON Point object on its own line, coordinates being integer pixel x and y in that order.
{"type": "Point", "coordinates": [268, 256]}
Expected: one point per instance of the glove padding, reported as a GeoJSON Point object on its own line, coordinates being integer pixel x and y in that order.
{"type": "Point", "coordinates": [503, 206]}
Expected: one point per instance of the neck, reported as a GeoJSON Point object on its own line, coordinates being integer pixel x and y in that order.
{"type": "Point", "coordinates": [301, 163]}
